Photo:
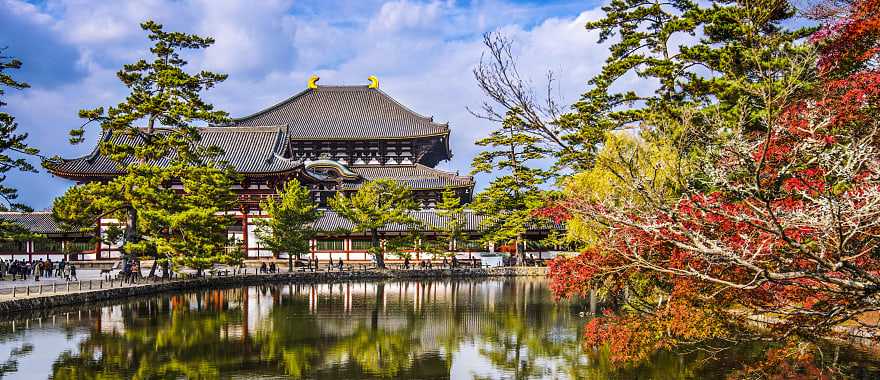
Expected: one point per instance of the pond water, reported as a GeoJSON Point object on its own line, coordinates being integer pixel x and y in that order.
{"type": "Point", "coordinates": [464, 329]}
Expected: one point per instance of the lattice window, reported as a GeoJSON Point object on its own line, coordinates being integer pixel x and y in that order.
{"type": "Point", "coordinates": [330, 245]}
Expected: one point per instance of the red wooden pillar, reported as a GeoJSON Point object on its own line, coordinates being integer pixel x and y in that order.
{"type": "Point", "coordinates": [244, 233]}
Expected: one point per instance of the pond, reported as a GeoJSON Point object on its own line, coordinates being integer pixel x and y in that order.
{"type": "Point", "coordinates": [462, 329]}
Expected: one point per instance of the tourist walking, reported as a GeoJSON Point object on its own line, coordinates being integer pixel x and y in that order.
{"type": "Point", "coordinates": [73, 272]}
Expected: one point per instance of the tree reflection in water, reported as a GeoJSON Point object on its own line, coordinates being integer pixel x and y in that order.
{"type": "Point", "coordinates": [498, 328]}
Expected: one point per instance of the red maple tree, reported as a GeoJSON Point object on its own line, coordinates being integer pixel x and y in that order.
{"type": "Point", "coordinates": [783, 223]}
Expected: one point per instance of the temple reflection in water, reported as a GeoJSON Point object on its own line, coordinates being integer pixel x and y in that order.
{"type": "Point", "coordinates": [486, 329]}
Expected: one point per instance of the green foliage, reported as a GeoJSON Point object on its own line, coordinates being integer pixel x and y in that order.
{"type": "Point", "coordinates": [377, 204]}
{"type": "Point", "coordinates": [289, 226]}
{"type": "Point", "coordinates": [451, 212]}
{"type": "Point", "coordinates": [509, 202]}
{"type": "Point", "coordinates": [186, 223]}
{"type": "Point", "coordinates": [13, 150]}
{"type": "Point", "coordinates": [707, 63]}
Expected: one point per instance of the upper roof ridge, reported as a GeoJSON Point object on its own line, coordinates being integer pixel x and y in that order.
{"type": "Point", "coordinates": [345, 112]}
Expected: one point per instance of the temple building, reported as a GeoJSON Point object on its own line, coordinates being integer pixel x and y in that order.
{"type": "Point", "coordinates": [332, 139]}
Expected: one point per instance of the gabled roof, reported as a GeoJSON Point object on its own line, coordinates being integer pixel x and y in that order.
{"type": "Point", "coordinates": [40, 222]}
{"type": "Point", "coordinates": [250, 150]}
{"type": "Point", "coordinates": [345, 113]}
{"type": "Point", "coordinates": [416, 176]}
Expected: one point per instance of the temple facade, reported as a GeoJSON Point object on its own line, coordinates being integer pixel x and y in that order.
{"type": "Point", "coordinates": [332, 139]}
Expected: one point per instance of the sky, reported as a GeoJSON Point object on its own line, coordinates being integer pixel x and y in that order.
{"type": "Point", "coordinates": [423, 53]}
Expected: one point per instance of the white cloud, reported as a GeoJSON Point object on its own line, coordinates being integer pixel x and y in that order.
{"type": "Point", "coordinates": [403, 14]}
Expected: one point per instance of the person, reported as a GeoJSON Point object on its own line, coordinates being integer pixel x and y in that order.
{"type": "Point", "coordinates": [38, 268]}
{"type": "Point", "coordinates": [263, 268]}
{"type": "Point", "coordinates": [73, 272]}
{"type": "Point", "coordinates": [445, 262]}
{"type": "Point", "coordinates": [272, 267]}
{"type": "Point", "coordinates": [406, 262]}
{"type": "Point", "coordinates": [135, 270]}
{"type": "Point", "coordinates": [455, 261]}
{"type": "Point", "coordinates": [47, 268]}
{"type": "Point", "coordinates": [340, 264]}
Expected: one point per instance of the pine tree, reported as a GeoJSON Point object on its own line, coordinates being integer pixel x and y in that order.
{"type": "Point", "coordinates": [289, 226]}
{"type": "Point", "coordinates": [185, 224]}
{"type": "Point", "coordinates": [13, 151]}
{"type": "Point", "coordinates": [452, 215]}
{"type": "Point", "coordinates": [508, 204]}
{"type": "Point", "coordinates": [375, 205]}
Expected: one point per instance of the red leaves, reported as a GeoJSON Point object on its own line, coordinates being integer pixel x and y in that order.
{"type": "Point", "coordinates": [634, 338]}
{"type": "Point", "coordinates": [850, 43]}
{"type": "Point", "coordinates": [573, 276]}
{"type": "Point", "coordinates": [554, 211]}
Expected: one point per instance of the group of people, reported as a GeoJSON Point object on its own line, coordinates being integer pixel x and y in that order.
{"type": "Point", "coordinates": [429, 264]}
{"type": "Point", "coordinates": [271, 268]}
{"type": "Point", "coordinates": [22, 269]}
{"type": "Point", "coordinates": [131, 270]}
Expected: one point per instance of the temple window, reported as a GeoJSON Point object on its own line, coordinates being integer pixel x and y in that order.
{"type": "Point", "coordinates": [361, 245]}
{"type": "Point", "coordinates": [331, 245]}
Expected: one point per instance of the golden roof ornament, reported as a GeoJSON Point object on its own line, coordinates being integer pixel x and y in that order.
{"type": "Point", "coordinates": [313, 81]}
{"type": "Point", "coordinates": [374, 82]}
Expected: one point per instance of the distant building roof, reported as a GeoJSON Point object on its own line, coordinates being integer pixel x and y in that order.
{"type": "Point", "coordinates": [250, 150]}
{"type": "Point", "coordinates": [40, 222]}
{"type": "Point", "coordinates": [345, 113]}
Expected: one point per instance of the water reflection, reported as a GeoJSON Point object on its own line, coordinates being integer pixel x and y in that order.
{"type": "Point", "coordinates": [500, 328]}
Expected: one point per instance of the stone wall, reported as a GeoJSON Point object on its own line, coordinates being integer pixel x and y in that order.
{"type": "Point", "coordinates": [102, 295]}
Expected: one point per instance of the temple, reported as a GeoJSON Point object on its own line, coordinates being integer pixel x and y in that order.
{"type": "Point", "coordinates": [332, 139]}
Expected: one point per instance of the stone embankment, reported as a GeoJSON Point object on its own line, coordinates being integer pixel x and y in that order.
{"type": "Point", "coordinates": [35, 302]}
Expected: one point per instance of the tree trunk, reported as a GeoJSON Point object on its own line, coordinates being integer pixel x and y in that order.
{"type": "Point", "coordinates": [520, 253]}
{"type": "Point", "coordinates": [155, 265]}
{"type": "Point", "coordinates": [593, 307]}
{"type": "Point", "coordinates": [377, 251]}
{"type": "Point", "coordinates": [131, 231]}
{"type": "Point", "coordinates": [289, 262]}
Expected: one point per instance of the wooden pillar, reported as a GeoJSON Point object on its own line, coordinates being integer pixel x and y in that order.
{"type": "Point", "coordinates": [244, 232]}
{"type": "Point", "coordinates": [98, 244]}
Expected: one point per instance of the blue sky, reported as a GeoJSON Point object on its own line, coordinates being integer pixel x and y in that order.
{"type": "Point", "coordinates": [422, 51]}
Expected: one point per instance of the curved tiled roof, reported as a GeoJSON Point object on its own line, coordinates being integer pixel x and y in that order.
{"type": "Point", "coordinates": [431, 220]}
{"type": "Point", "coordinates": [345, 113]}
{"type": "Point", "coordinates": [416, 176]}
{"type": "Point", "coordinates": [250, 150]}
{"type": "Point", "coordinates": [40, 222]}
